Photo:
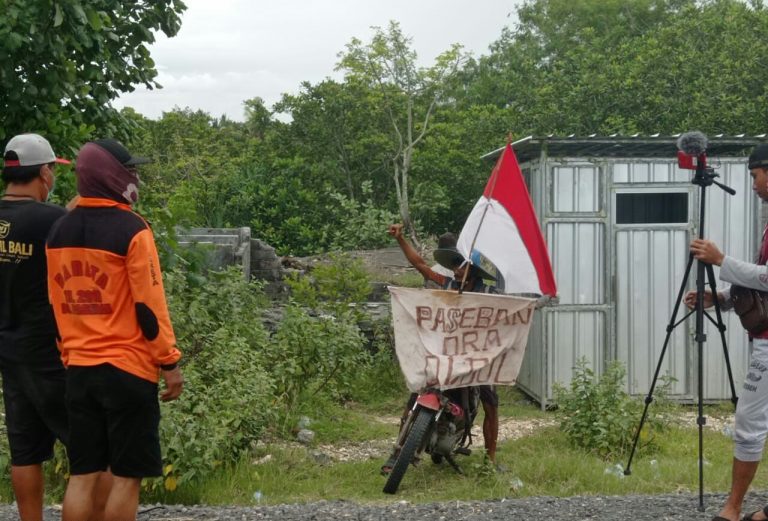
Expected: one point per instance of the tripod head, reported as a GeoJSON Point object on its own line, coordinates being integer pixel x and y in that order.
{"type": "Point", "coordinates": [706, 175]}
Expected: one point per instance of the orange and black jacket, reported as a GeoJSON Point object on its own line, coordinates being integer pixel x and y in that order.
{"type": "Point", "coordinates": [106, 289]}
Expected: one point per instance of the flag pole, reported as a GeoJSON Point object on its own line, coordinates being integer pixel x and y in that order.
{"type": "Point", "coordinates": [482, 218]}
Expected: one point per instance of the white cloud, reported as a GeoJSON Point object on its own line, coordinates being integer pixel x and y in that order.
{"type": "Point", "coordinates": [232, 50]}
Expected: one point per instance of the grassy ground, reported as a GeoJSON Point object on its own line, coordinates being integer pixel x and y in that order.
{"type": "Point", "coordinates": [540, 465]}
{"type": "Point", "coordinates": [543, 464]}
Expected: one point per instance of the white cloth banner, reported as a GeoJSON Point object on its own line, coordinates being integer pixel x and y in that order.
{"type": "Point", "coordinates": [448, 340]}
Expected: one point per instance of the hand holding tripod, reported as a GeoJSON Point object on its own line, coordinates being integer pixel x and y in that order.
{"type": "Point", "coordinates": [704, 177]}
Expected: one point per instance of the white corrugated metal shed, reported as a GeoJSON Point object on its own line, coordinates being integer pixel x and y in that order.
{"type": "Point", "coordinates": [618, 214]}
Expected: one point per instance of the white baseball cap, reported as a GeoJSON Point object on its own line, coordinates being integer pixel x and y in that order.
{"type": "Point", "coordinates": [30, 150]}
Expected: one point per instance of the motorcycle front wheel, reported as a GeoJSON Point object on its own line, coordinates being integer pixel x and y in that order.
{"type": "Point", "coordinates": [424, 417]}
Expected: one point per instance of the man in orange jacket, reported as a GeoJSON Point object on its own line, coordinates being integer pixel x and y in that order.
{"type": "Point", "coordinates": [116, 337]}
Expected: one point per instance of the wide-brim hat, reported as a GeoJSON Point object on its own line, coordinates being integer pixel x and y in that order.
{"type": "Point", "coordinates": [451, 258]}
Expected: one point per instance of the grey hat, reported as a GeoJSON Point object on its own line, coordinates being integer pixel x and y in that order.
{"type": "Point", "coordinates": [30, 150]}
{"type": "Point", "coordinates": [759, 157]}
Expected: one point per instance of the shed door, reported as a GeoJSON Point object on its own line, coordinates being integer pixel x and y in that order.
{"type": "Point", "coordinates": [652, 231]}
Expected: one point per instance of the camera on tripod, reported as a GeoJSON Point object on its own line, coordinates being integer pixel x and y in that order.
{"type": "Point", "coordinates": [692, 155]}
{"type": "Point", "coordinates": [692, 151]}
{"type": "Point", "coordinates": [691, 162]}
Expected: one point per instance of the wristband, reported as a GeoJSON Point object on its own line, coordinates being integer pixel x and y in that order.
{"type": "Point", "coordinates": [169, 367]}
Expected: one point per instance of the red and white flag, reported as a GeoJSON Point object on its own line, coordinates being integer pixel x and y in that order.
{"type": "Point", "coordinates": [504, 229]}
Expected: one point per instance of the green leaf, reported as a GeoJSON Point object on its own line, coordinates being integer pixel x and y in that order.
{"type": "Point", "coordinates": [58, 17]}
{"type": "Point", "coordinates": [94, 19]}
{"type": "Point", "coordinates": [80, 13]}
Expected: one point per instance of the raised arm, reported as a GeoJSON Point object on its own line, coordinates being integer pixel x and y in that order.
{"type": "Point", "coordinates": [416, 260]}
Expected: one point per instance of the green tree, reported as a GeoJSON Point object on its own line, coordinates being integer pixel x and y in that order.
{"type": "Point", "coordinates": [339, 127]}
{"type": "Point", "coordinates": [408, 96]}
{"type": "Point", "coordinates": [62, 63]}
{"type": "Point", "coordinates": [258, 118]}
{"type": "Point", "coordinates": [614, 66]}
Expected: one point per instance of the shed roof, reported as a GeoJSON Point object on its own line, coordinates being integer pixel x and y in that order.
{"type": "Point", "coordinates": [624, 146]}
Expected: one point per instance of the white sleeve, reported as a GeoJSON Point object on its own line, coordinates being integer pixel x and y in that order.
{"type": "Point", "coordinates": [745, 274]}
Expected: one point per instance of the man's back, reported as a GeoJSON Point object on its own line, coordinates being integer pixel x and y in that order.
{"type": "Point", "coordinates": [27, 329]}
{"type": "Point", "coordinates": [106, 289]}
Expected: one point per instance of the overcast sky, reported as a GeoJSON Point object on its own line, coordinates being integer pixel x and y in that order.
{"type": "Point", "coordinates": [231, 50]}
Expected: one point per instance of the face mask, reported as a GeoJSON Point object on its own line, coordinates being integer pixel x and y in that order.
{"type": "Point", "coordinates": [131, 193]}
{"type": "Point", "coordinates": [50, 187]}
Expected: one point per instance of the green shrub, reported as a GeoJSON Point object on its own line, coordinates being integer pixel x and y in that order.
{"type": "Point", "coordinates": [334, 285]}
{"type": "Point", "coordinates": [321, 352]}
{"type": "Point", "coordinates": [598, 415]}
{"type": "Point", "coordinates": [362, 225]}
{"type": "Point", "coordinates": [228, 395]}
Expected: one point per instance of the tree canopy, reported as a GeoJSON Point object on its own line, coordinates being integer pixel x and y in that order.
{"type": "Point", "coordinates": [63, 63]}
{"type": "Point", "coordinates": [330, 165]}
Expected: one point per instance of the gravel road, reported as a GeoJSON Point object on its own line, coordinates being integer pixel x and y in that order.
{"type": "Point", "coordinates": [638, 508]}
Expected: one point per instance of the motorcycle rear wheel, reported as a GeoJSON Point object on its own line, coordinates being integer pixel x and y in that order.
{"type": "Point", "coordinates": [412, 444]}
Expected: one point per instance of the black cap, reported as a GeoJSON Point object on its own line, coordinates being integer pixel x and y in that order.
{"type": "Point", "coordinates": [759, 157]}
{"type": "Point", "coordinates": [121, 153]}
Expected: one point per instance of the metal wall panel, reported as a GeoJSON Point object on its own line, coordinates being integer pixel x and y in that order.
{"type": "Point", "coordinates": [576, 189]}
{"type": "Point", "coordinates": [578, 260]}
{"type": "Point", "coordinates": [650, 264]}
{"type": "Point", "coordinates": [533, 369]}
{"type": "Point", "coordinates": [648, 172]}
{"type": "Point", "coordinates": [572, 335]}
{"type": "Point", "coordinates": [731, 221]}
{"type": "Point", "coordinates": [603, 314]}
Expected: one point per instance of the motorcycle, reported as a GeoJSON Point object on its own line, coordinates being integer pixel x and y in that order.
{"type": "Point", "coordinates": [438, 424]}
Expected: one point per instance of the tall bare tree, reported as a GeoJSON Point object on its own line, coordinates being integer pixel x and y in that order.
{"type": "Point", "coordinates": [407, 93]}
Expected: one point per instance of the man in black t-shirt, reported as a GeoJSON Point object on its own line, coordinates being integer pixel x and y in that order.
{"type": "Point", "coordinates": [32, 372]}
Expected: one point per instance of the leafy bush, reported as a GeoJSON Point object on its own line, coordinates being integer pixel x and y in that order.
{"type": "Point", "coordinates": [322, 352]}
{"type": "Point", "coordinates": [228, 395]}
{"type": "Point", "coordinates": [598, 415]}
{"type": "Point", "coordinates": [319, 344]}
{"type": "Point", "coordinates": [361, 224]}
{"type": "Point", "coordinates": [335, 285]}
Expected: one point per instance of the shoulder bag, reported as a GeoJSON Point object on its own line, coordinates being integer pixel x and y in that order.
{"type": "Point", "coordinates": [751, 306]}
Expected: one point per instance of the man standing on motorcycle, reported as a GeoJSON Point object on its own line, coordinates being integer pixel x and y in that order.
{"type": "Point", "coordinates": [449, 257]}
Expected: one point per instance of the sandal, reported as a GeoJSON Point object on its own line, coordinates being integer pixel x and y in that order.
{"type": "Point", "coordinates": [749, 517]}
{"type": "Point", "coordinates": [386, 469]}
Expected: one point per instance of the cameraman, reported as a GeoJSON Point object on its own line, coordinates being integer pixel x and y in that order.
{"type": "Point", "coordinates": [752, 410]}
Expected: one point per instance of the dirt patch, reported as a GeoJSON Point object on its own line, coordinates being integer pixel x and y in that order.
{"type": "Point", "coordinates": [509, 429]}
{"type": "Point", "coordinates": [722, 424]}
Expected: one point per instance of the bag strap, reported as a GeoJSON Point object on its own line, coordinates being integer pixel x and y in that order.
{"type": "Point", "coordinates": [763, 254]}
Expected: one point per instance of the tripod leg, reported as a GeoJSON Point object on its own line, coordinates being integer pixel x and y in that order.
{"type": "Point", "coordinates": [721, 327]}
{"type": "Point", "coordinates": [670, 328]}
{"type": "Point", "coordinates": [701, 337]}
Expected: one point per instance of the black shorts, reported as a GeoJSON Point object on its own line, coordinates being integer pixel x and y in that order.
{"type": "Point", "coordinates": [35, 412]}
{"type": "Point", "coordinates": [488, 395]}
{"type": "Point", "coordinates": [114, 418]}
